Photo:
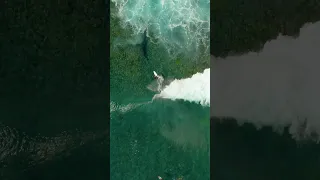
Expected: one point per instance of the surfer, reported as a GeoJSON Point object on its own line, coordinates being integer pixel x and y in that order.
{"type": "Point", "coordinates": [156, 75]}
{"type": "Point", "coordinates": [159, 80]}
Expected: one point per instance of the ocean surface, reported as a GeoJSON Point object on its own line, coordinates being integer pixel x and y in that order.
{"type": "Point", "coordinates": [161, 138]}
{"type": "Point", "coordinates": [53, 91]}
{"type": "Point", "coordinates": [243, 152]}
{"type": "Point", "coordinates": [265, 118]}
{"type": "Point", "coordinates": [154, 137]}
{"type": "Point", "coordinates": [40, 140]}
{"type": "Point", "coordinates": [164, 136]}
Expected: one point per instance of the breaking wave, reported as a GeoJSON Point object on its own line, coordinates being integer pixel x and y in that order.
{"type": "Point", "coordinates": [193, 89]}
{"type": "Point", "coordinates": [180, 26]}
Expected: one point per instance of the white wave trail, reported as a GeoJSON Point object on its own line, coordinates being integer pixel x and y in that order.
{"type": "Point", "coordinates": [278, 86]}
{"type": "Point", "coordinates": [193, 89]}
{"type": "Point", "coordinates": [114, 107]}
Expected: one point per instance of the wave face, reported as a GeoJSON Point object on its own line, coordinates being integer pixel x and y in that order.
{"type": "Point", "coordinates": [181, 26]}
{"type": "Point", "coordinates": [193, 89]}
{"type": "Point", "coordinates": [277, 87]}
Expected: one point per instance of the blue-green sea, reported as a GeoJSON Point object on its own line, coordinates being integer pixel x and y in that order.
{"type": "Point", "coordinates": [165, 138]}
{"type": "Point", "coordinates": [161, 137]}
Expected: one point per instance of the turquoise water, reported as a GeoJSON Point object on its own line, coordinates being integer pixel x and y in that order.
{"type": "Point", "coordinates": [164, 138]}
{"type": "Point", "coordinates": [181, 26]}
{"type": "Point", "coordinates": [153, 138]}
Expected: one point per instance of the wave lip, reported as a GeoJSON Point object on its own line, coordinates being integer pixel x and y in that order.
{"type": "Point", "coordinates": [193, 89]}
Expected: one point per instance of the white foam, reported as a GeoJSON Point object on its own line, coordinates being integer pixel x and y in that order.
{"type": "Point", "coordinates": [193, 89]}
{"type": "Point", "coordinates": [180, 25]}
{"type": "Point", "coordinates": [277, 87]}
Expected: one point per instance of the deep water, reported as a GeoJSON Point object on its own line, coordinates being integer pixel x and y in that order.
{"type": "Point", "coordinates": [53, 84]}
{"type": "Point", "coordinates": [243, 152]}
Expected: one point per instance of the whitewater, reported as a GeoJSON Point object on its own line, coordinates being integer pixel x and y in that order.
{"type": "Point", "coordinates": [180, 26]}
{"type": "Point", "coordinates": [194, 89]}
{"type": "Point", "coordinates": [277, 87]}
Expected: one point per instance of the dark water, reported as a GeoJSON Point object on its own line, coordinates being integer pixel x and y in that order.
{"type": "Point", "coordinates": [53, 91]}
{"type": "Point", "coordinates": [61, 145]}
{"type": "Point", "coordinates": [247, 153]}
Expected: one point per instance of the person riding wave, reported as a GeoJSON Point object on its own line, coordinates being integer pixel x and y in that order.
{"type": "Point", "coordinates": [160, 80]}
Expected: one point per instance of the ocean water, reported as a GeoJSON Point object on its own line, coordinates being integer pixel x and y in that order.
{"type": "Point", "coordinates": [243, 152]}
{"type": "Point", "coordinates": [54, 109]}
{"type": "Point", "coordinates": [162, 138]}
{"type": "Point", "coordinates": [179, 26]}
{"type": "Point", "coordinates": [156, 133]}
{"type": "Point", "coordinates": [265, 122]}
{"type": "Point", "coordinates": [156, 137]}
{"type": "Point", "coordinates": [38, 143]}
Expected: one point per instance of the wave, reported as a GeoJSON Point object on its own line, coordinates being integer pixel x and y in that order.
{"type": "Point", "coordinates": [276, 87]}
{"type": "Point", "coordinates": [193, 89]}
{"type": "Point", "coordinates": [181, 26]}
